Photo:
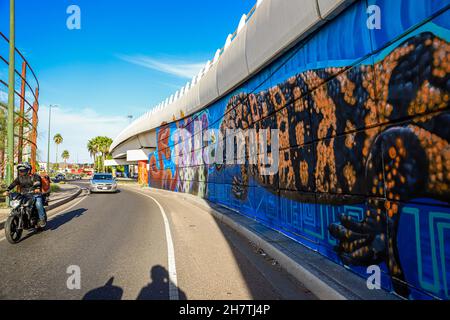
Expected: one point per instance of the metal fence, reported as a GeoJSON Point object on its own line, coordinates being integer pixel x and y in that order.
{"type": "Point", "coordinates": [26, 109]}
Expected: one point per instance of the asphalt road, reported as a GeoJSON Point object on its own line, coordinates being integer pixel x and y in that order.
{"type": "Point", "coordinates": [120, 245]}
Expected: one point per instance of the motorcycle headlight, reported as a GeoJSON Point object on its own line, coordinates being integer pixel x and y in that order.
{"type": "Point", "coordinates": [14, 204]}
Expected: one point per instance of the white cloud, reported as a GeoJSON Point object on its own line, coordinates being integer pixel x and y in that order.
{"type": "Point", "coordinates": [76, 128]}
{"type": "Point", "coordinates": [183, 69]}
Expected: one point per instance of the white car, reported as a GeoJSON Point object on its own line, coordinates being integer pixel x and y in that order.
{"type": "Point", "coordinates": [103, 182]}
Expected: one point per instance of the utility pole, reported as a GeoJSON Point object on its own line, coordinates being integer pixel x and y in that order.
{"type": "Point", "coordinates": [11, 81]}
{"type": "Point", "coordinates": [48, 142]}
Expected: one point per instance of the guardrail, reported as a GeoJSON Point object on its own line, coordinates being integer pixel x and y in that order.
{"type": "Point", "coordinates": [26, 117]}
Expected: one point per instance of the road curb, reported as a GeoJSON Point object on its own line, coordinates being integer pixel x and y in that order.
{"type": "Point", "coordinates": [56, 204]}
{"type": "Point", "coordinates": [65, 200]}
{"type": "Point", "coordinates": [318, 287]}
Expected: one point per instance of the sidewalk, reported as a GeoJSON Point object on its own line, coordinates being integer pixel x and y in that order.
{"type": "Point", "coordinates": [66, 193]}
{"type": "Point", "coordinates": [324, 278]}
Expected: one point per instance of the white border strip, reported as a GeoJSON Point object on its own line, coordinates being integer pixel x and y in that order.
{"type": "Point", "coordinates": [173, 280]}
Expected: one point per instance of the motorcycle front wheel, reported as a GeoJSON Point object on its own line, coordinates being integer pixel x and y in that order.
{"type": "Point", "coordinates": [12, 231]}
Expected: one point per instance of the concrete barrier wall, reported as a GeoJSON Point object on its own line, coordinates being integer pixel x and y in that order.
{"type": "Point", "coordinates": [364, 159]}
{"type": "Point", "coordinates": [232, 66]}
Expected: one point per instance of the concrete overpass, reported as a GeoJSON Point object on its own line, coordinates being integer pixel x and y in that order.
{"type": "Point", "coordinates": [262, 35]}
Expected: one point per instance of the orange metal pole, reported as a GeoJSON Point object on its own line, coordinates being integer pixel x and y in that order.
{"type": "Point", "coordinates": [34, 131]}
{"type": "Point", "coordinates": [22, 112]}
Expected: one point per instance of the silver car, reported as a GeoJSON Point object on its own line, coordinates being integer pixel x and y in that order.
{"type": "Point", "coordinates": [103, 182]}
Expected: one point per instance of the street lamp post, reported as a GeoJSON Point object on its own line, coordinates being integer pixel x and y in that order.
{"type": "Point", "coordinates": [48, 141]}
{"type": "Point", "coordinates": [10, 127]}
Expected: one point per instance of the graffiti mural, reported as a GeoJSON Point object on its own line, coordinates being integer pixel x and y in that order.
{"type": "Point", "coordinates": [166, 173]}
{"type": "Point", "coordinates": [364, 156]}
{"type": "Point", "coordinates": [353, 164]}
{"type": "Point", "coordinates": [142, 172]}
{"type": "Point", "coordinates": [160, 176]}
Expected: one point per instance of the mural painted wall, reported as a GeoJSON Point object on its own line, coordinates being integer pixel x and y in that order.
{"type": "Point", "coordinates": [364, 127]}
{"type": "Point", "coordinates": [142, 172]}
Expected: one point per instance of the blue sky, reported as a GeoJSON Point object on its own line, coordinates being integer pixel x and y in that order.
{"type": "Point", "coordinates": [127, 57]}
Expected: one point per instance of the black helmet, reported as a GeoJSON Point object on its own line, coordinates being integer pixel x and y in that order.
{"type": "Point", "coordinates": [24, 167]}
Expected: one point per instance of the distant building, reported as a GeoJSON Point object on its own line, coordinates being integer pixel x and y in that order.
{"type": "Point", "coordinates": [43, 166]}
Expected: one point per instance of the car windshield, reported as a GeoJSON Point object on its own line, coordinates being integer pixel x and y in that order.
{"type": "Point", "coordinates": [102, 177]}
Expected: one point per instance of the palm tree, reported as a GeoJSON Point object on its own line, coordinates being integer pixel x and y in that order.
{"type": "Point", "coordinates": [97, 145]}
{"type": "Point", "coordinates": [65, 155]}
{"type": "Point", "coordinates": [105, 143]}
{"type": "Point", "coordinates": [58, 139]}
{"type": "Point", "coordinates": [98, 148]}
{"type": "Point", "coordinates": [92, 148]}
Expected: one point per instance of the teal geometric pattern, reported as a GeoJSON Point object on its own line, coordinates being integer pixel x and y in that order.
{"type": "Point", "coordinates": [431, 257]}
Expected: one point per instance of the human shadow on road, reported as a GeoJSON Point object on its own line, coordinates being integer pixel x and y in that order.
{"type": "Point", "coordinates": [107, 292]}
{"type": "Point", "coordinates": [158, 288]}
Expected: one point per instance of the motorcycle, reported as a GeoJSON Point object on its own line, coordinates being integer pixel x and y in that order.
{"type": "Point", "coordinates": [23, 216]}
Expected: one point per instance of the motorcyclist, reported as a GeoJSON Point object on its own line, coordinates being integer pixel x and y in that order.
{"type": "Point", "coordinates": [30, 183]}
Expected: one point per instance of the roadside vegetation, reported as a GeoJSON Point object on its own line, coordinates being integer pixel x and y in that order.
{"type": "Point", "coordinates": [54, 188]}
{"type": "Point", "coordinates": [98, 148]}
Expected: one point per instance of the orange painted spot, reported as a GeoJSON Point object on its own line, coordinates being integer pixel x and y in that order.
{"type": "Point", "coordinates": [392, 152]}
{"type": "Point", "coordinates": [395, 208]}
{"type": "Point", "coordinates": [390, 213]}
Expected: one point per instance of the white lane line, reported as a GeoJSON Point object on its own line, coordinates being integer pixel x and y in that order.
{"type": "Point", "coordinates": [173, 281]}
{"type": "Point", "coordinates": [58, 214]}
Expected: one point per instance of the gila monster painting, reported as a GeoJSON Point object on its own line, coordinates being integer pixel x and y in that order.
{"type": "Point", "coordinates": [378, 132]}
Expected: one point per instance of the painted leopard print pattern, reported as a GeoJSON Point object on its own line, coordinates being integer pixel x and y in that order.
{"type": "Point", "coordinates": [377, 132]}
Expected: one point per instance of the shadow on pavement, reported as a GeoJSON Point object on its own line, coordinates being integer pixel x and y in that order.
{"type": "Point", "coordinates": [158, 289]}
{"type": "Point", "coordinates": [56, 222]}
{"type": "Point", "coordinates": [107, 292]}
{"type": "Point", "coordinates": [103, 193]}
{"type": "Point", "coordinates": [64, 218]}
